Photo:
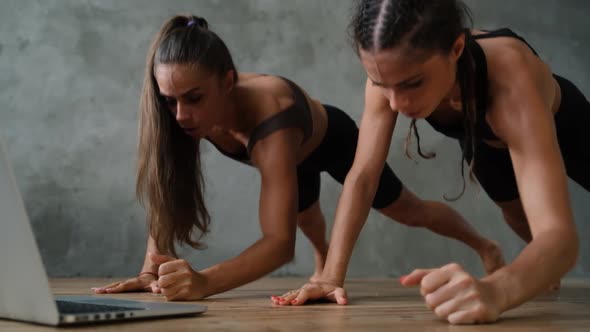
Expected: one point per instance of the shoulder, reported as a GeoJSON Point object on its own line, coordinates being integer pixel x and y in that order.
{"type": "Point", "coordinates": [513, 68]}
{"type": "Point", "coordinates": [521, 85]}
{"type": "Point", "coordinates": [375, 100]}
{"type": "Point", "coordinates": [262, 103]}
{"type": "Point", "coordinates": [256, 99]}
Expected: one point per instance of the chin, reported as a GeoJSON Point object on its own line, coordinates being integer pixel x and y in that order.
{"type": "Point", "coordinates": [415, 115]}
{"type": "Point", "coordinates": [424, 113]}
{"type": "Point", "coordinates": [196, 136]}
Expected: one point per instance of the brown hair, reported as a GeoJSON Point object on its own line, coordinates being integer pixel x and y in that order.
{"type": "Point", "coordinates": [169, 175]}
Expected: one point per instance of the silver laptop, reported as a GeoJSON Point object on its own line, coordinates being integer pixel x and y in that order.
{"type": "Point", "coordinates": [24, 289]}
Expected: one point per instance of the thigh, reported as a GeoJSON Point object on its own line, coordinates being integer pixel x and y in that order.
{"type": "Point", "coordinates": [571, 122]}
{"type": "Point", "coordinates": [339, 148]}
{"type": "Point", "coordinates": [312, 215]}
{"type": "Point", "coordinates": [308, 184]}
{"type": "Point", "coordinates": [340, 152]}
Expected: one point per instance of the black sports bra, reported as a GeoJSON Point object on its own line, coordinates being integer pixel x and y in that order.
{"type": "Point", "coordinates": [482, 128]}
{"type": "Point", "coordinates": [298, 115]}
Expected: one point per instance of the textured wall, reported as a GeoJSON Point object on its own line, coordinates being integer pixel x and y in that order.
{"type": "Point", "coordinates": [70, 74]}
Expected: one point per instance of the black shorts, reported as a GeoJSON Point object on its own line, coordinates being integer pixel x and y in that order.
{"type": "Point", "coordinates": [493, 166]}
{"type": "Point", "coordinates": [335, 155]}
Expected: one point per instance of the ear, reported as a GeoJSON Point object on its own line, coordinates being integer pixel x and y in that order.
{"type": "Point", "coordinates": [228, 81]}
{"type": "Point", "coordinates": [458, 47]}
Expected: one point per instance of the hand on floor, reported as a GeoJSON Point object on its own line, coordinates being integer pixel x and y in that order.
{"type": "Point", "coordinates": [142, 283]}
{"type": "Point", "coordinates": [312, 291]}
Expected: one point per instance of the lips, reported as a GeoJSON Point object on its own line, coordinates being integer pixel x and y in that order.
{"type": "Point", "coordinates": [193, 132]}
{"type": "Point", "coordinates": [411, 114]}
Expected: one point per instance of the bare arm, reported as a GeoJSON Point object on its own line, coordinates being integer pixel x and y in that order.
{"type": "Point", "coordinates": [361, 183]}
{"type": "Point", "coordinates": [146, 279]}
{"type": "Point", "coordinates": [275, 157]}
{"type": "Point", "coordinates": [522, 117]}
{"type": "Point", "coordinates": [359, 190]}
{"type": "Point", "coordinates": [525, 122]}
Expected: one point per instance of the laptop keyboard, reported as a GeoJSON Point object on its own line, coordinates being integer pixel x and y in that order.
{"type": "Point", "coordinates": [68, 307]}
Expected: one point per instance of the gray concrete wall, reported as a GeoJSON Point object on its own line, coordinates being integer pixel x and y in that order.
{"type": "Point", "coordinates": [70, 74]}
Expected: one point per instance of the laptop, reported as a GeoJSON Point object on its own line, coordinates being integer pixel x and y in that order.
{"type": "Point", "coordinates": [24, 288]}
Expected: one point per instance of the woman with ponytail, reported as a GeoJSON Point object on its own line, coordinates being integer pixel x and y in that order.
{"type": "Point", "coordinates": [522, 130]}
{"type": "Point", "coordinates": [192, 91]}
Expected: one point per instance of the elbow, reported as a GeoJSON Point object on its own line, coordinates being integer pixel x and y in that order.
{"type": "Point", "coordinates": [282, 250]}
{"type": "Point", "coordinates": [360, 182]}
{"type": "Point", "coordinates": [567, 248]}
{"type": "Point", "coordinates": [287, 252]}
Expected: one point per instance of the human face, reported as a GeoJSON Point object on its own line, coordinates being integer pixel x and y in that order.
{"type": "Point", "coordinates": [416, 82]}
{"type": "Point", "coordinates": [195, 97]}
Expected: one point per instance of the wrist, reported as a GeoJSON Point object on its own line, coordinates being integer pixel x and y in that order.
{"type": "Point", "coordinates": [328, 277]}
{"type": "Point", "coordinates": [203, 286]}
{"type": "Point", "coordinates": [155, 275]}
{"type": "Point", "coordinates": [501, 293]}
{"type": "Point", "coordinates": [152, 268]}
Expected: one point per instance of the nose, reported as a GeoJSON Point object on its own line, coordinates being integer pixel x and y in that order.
{"type": "Point", "coordinates": [183, 114]}
{"type": "Point", "coordinates": [398, 101]}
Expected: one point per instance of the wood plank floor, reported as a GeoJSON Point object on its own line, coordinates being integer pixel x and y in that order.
{"type": "Point", "coordinates": [376, 305]}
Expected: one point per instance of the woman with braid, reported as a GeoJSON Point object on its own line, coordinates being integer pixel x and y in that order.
{"type": "Point", "coordinates": [522, 130]}
{"type": "Point", "coordinates": [192, 91]}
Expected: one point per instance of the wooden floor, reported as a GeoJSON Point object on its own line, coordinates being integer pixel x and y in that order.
{"type": "Point", "coordinates": [376, 305]}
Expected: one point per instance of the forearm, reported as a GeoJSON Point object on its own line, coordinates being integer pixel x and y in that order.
{"type": "Point", "coordinates": [352, 212]}
{"type": "Point", "coordinates": [543, 262]}
{"type": "Point", "coordinates": [263, 257]}
{"type": "Point", "coordinates": [148, 265]}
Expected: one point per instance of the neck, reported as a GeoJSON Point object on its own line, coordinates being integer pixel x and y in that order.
{"type": "Point", "coordinates": [454, 98]}
{"type": "Point", "coordinates": [452, 101]}
{"type": "Point", "coordinates": [231, 119]}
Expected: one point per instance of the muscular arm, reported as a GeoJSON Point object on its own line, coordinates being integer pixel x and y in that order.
{"type": "Point", "coordinates": [361, 183]}
{"type": "Point", "coordinates": [524, 121]}
{"type": "Point", "coordinates": [275, 157]}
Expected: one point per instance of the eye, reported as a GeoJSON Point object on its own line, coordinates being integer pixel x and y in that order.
{"type": "Point", "coordinates": [193, 99]}
{"type": "Point", "coordinates": [170, 103]}
{"type": "Point", "coordinates": [414, 84]}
